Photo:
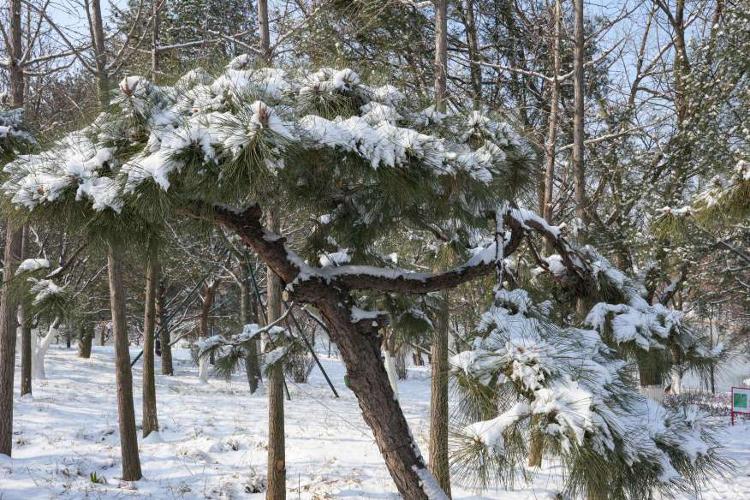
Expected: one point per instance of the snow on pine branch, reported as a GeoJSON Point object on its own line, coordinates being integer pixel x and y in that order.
{"type": "Point", "coordinates": [569, 386]}
{"type": "Point", "coordinates": [155, 133]}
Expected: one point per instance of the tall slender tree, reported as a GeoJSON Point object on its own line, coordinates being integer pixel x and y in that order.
{"type": "Point", "coordinates": [439, 416]}
{"type": "Point", "coordinates": [12, 255]}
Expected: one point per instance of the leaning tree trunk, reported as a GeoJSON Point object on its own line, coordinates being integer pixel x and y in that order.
{"type": "Point", "coordinates": [150, 420]}
{"type": "Point", "coordinates": [131, 465]}
{"type": "Point", "coordinates": [360, 351]}
{"type": "Point", "coordinates": [359, 347]}
{"type": "Point", "coordinates": [85, 339]}
{"type": "Point", "coordinates": [165, 339]}
{"type": "Point", "coordinates": [276, 453]}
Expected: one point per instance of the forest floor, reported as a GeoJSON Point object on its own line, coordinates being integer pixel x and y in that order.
{"type": "Point", "coordinates": [213, 437]}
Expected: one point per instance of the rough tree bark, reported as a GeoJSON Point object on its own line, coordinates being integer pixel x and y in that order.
{"type": "Point", "coordinates": [131, 465]}
{"type": "Point", "coordinates": [85, 339]}
{"type": "Point", "coordinates": [13, 242]}
{"type": "Point", "coordinates": [164, 335]}
{"type": "Point", "coordinates": [150, 418]}
{"type": "Point", "coordinates": [8, 325]}
{"type": "Point", "coordinates": [276, 440]}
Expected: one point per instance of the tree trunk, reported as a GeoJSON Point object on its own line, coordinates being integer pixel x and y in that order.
{"type": "Point", "coordinates": [439, 398]}
{"type": "Point", "coordinates": [401, 365]}
{"type": "Point", "coordinates": [150, 419]}
{"type": "Point", "coordinates": [25, 321]}
{"type": "Point", "coordinates": [265, 32]}
{"type": "Point", "coordinates": [390, 363]}
{"type": "Point", "coordinates": [359, 345]}
{"type": "Point", "coordinates": [360, 352]}
{"type": "Point", "coordinates": [549, 147]}
{"type": "Point", "coordinates": [100, 54]}
{"type": "Point", "coordinates": [131, 465]}
{"type": "Point", "coordinates": [155, 40]}
{"type": "Point", "coordinates": [164, 336]}
{"type": "Point", "coordinates": [438, 448]}
{"type": "Point", "coordinates": [252, 367]}
{"type": "Point", "coordinates": [276, 452]}
{"type": "Point", "coordinates": [15, 71]}
{"type": "Point", "coordinates": [472, 45]}
{"type": "Point", "coordinates": [40, 351]}
{"type": "Point", "coordinates": [579, 178]}
{"type": "Point", "coordinates": [207, 303]}
{"type": "Point", "coordinates": [8, 325]}
{"type": "Point", "coordinates": [441, 53]}
{"type": "Point", "coordinates": [84, 342]}
{"type": "Point", "coordinates": [536, 444]}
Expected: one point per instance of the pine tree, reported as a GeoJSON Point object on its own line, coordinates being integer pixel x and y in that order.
{"type": "Point", "coordinates": [369, 165]}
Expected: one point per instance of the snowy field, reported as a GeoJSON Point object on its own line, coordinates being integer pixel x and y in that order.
{"type": "Point", "coordinates": [212, 443]}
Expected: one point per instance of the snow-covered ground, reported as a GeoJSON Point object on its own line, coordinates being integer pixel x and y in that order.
{"type": "Point", "coordinates": [213, 438]}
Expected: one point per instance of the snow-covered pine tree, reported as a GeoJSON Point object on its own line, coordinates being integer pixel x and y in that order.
{"type": "Point", "coordinates": [525, 374]}
{"type": "Point", "coordinates": [365, 162]}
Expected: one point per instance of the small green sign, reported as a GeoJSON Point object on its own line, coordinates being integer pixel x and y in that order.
{"type": "Point", "coordinates": [740, 400]}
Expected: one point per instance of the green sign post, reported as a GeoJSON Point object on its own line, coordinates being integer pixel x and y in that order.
{"type": "Point", "coordinates": [740, 401]}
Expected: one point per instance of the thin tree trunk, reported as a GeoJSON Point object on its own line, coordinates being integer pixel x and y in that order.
{"type": "Point", "coordinates": [85, 339]}
{"type": "Point", "coordinates": [265, 32]}
{"type": "Point", "coordinates": [438, 449]}
{"type": "Point", "coordinates": [549, 147]}
{"type": "Point", "coordinates": [25, 321]}
{"type": "Point", "coordinates": [276, 439]}
{"type": "Point", "coordinates": [475, 69]}
{"type": "Point", "coordinates": [390, 362]}
{"type": "Point", "coordinates": [579, 178]}
{"type": "Point", "coordinates": [439, 398]}
{"type": "Point", "coordinates": [131, 465]}
{"type": "Point", "coordinates": [13, 243]}
{"type": "Point", "coordinates": [150, 418]}
{"type": "Point", "coordinates": [155, 40]}
{"type": "Point", "coordinates": [208, 301]}
{"type": "Point", "coordinates": [100, 54]}
{"type": "Point", "coordinates": [164, 335]}
{"type": "Point", "coordinates": [252, 368]}
{"type": "Point", "coordinates": [40, 351]}
{"type": "Point", "coordinates": [441, 53]}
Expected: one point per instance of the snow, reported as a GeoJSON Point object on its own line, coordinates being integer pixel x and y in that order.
{"type": "Point", "coordinates": [212, 439]}
{"type": "Point", "coordinates": [262, 111]}
{"type": "Point", "coordinates": [31, 265]}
